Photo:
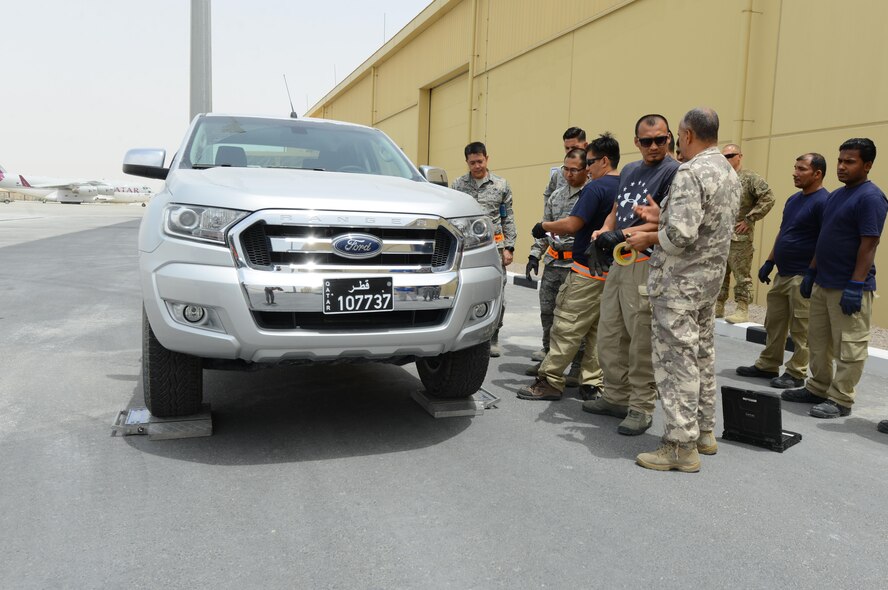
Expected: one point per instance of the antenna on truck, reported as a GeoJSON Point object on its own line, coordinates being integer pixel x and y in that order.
{"type": "Point", "coordinates": [293, 114]}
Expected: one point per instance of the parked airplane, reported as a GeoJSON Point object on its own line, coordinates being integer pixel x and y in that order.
{"type": "Point", "coordinates": [74, 191]}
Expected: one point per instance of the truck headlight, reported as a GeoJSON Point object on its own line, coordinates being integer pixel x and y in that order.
{"type": "Point", "coordinates": [207, 224]}
{"type": "Point", "coordinates": [476, 231]}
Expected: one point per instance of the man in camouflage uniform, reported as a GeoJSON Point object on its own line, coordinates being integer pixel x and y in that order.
{"type": "Point", "coordinates": [573, 137]}
{"type": "Point", "coordinates": [756, 199]}
{"type": "Point", "coordinates": [494, 195]}
{"type": "Point", "coordinates": [686, 269]}
{"type": "Point", "coordinates": [554, 249]}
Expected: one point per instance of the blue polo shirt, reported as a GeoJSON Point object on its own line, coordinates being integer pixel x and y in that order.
{"type": "Point", "coordinates": [849, 214]}
{"type": "Point", "coordinates": [802, 217]}
{"type": "Point", "coordinates": [594, 205]}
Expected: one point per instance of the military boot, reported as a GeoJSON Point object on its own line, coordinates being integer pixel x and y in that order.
{"type": "Point", "coordinates": [740, 315]}
{"type": "Point", "coordinates": [719, 309]}
{"type": "Point", "coordinates": [706, 443]}
{"type": "Point", "coordinates": [634, 423]}
{"type": "Point", "coordinates": [672, 455]}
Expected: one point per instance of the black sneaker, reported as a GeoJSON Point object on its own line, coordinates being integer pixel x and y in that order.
{"type": "Point", "coordinates": [590, 392]}
{"type": "Point", "coordinates": [754, 371]}
{"type": "Point", "coordinates": [829, 409]}
{"type": "Point", "coordinates": [882, 426]}
{"type": "Point", "coordinates": [801, 396]}
{"type": "Point", "coordinates": [785, 381]}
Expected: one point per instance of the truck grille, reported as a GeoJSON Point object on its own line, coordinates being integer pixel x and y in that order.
{"type": "Point", "coordinates": [264, 245]}
{"type": "Point", "coordinates": [392, 320]}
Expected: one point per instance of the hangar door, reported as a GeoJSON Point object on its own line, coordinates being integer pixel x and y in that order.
{"type": "Point", "coordinates": [449, 125]}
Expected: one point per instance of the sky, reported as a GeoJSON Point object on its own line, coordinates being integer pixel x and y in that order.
{"type": "Point", "coordinates": [82, 82]}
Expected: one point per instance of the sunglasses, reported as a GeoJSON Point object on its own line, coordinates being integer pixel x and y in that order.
{"type": "Point", "coordinates": [590, 161]}
{"type": "Point", "coordinates": [729, 156]}
{"type": "Point", "coordinates": [660, 140]}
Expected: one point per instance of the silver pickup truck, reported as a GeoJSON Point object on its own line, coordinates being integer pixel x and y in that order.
{"type": "Point", "coordinates": [284, 241]}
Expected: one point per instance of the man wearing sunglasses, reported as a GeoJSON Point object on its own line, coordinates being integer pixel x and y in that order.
{"type": "Point", "coordinates": [756, 199]}
{"type": "Point", "coordinates": [624, 330]}
{"type": "Point", "coordinates": [555, 249]}
{"type": "Point", "coordinates": [576, 313]}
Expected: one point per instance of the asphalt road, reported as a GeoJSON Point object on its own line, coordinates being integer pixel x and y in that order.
{"type": "Point", "coordinates": [320, 477]}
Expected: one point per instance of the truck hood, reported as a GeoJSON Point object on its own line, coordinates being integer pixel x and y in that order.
{"type": "Point", "coordinates": [252, 189]}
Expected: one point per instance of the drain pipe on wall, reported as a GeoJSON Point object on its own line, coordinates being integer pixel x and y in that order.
{"type": "Point", "coordinates": [743, 78]}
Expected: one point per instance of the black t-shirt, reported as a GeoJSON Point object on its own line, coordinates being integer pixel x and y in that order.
{"type": "Point", "coordinates": [637, 181]}
{"type": "Point", "coordinates": [594, 205]}
{"type": "Point", "coordinates": [802, 216]}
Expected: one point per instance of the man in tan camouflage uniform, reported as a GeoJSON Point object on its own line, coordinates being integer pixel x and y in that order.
{"type": "Point", "coordinates": [686, 270]}
{"type": "Point", "coordinates": [756, 199]}
{"type": "Point", "coordinates": [553, 249]}
{"type": "Point", "coordinates": [494, 195]}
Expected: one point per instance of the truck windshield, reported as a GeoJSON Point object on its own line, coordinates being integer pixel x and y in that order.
{"type": "Point", "coordinates": [255, 142]}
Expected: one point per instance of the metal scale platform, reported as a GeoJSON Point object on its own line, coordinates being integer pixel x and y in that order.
{"type": "Point", "coordinates": [139, 421]}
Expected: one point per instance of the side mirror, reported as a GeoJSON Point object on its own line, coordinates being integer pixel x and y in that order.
{"type": "Point", "coordinates": [146, 162]}
{"type": "Point", "coordinates": [434, 175]}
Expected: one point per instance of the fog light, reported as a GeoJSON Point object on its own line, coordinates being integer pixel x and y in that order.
{"type": "Point", "coordinates": [479, 310]}
{"type": "Point", "coordinates": [193, 313]}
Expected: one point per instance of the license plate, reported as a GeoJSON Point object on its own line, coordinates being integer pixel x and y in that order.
{"type": "Point", "coordinates": [358, 295]}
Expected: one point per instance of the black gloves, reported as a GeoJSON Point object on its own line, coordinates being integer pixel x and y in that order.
{"type": "Point", "coordinates": [808, 283]}
{"type": "Point", "coordinates": [852, 298]}
{"type": "Point", "coordinates": [765, 272]}
{"type": "Point", "coordinates": [609, 240]}
{"type": "Point", "coordinates": [533, 264]}
{"type": "Point", "coordinates": [538, 231]}
{"type": "Point", "coordinates": [599, 260]}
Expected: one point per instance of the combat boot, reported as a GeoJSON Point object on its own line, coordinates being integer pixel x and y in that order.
{"type": "Point", "coordinates": [740, 315]}
{"type": "Point", "coordinates": [635, 423]}
{"type": "Point", "coordinates": [533, 370]}
{"type": "Point", "coordinates": [719, 309]}
{"type": "Point", "coordinates": [706, 443]}
{"type": "Point", "coordinates": [672, 455]}
{"type": "Point", "coordinates": [540, 390]}
{"type": "Point", "coordinates": [604, 407]}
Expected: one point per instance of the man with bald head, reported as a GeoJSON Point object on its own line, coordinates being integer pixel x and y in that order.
{"type": "Point", "coordinates": [692, 242]}
{"type": "Point", "coordinates": [756, 199]}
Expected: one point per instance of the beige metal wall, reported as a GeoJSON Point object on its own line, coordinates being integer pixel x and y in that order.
{"type": "Point", "coordinates": [786, 77]}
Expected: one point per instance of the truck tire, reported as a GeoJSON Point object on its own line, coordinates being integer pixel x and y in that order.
{"type": "Point", "coordinates": [172, 381]}
{"type": "Point", "coordinates": [457, 374]}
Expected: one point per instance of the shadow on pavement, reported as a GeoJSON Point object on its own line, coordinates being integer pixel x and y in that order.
{"type": "Point", "coordinates": [296, 414]}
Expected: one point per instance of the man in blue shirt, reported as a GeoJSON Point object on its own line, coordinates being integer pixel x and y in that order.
{"type": "Point", "coordinates": [840, 283]}
{"type": "Point", "coordinates": [792, 253]}
{"type": "Point", "coordinates": [577, 306]}
{"type": "Point", "coordinates": [624, 331]}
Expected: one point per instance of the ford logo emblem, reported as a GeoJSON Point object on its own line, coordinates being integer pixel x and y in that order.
{"type": "Point", "coordinates": [357, 246]}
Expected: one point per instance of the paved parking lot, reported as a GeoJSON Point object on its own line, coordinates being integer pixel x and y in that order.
{"type": "Point", "coordinates": [332, 477]}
